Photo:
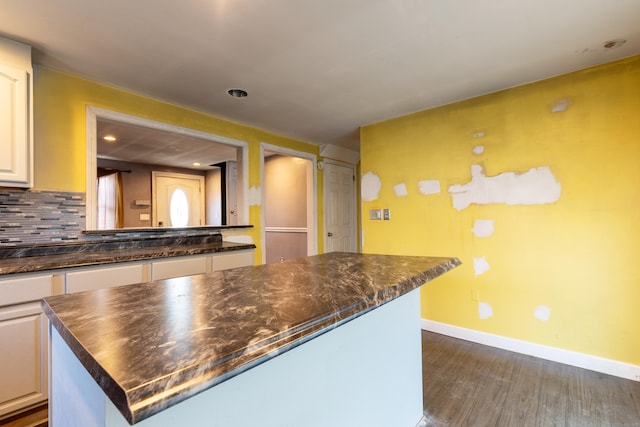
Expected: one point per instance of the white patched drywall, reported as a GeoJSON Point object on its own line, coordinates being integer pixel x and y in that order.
{"type": "Point", "coordinates": [485, 310]}
{"type": "Point", "coordinates": [483, 227]}
{"type": "Point", "coordinates": [536, 186]}
{"type": "Point", "coordinates": [400, 190]}
{"type": "Point", "coordinates": [429, 186]}
{"type": "Point", "coordinates": [542, 312]}
{"type": "Point", "coordinates": [480, 265]}
{"type": "Point", "coordinates": [478, 149]}
{"type": "Point", "coordinates": [255, 197]}
{"type": "Point", "coordinates": [370, 187]}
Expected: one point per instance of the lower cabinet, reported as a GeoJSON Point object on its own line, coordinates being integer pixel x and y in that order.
{"type": "Point", "coordinates": [91, 279]}
{"type": "Point", "coordinates": [232, 259]}
{"type": "Point", "coordinates": [180, 266]}
{"type": "Point", "coordinates": [24, 333]}
{"type": "Point", "coordinates": [24, 338]}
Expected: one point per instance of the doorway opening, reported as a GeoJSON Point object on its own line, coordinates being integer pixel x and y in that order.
{"type": "Point", "coordinates": [289, 209]}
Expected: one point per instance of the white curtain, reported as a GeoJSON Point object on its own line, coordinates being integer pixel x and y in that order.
{"type": "Point", "coordinates": [110, 201]}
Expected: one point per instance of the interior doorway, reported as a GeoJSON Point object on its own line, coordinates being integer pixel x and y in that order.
{"type": "Point", "coordinates": [289, 217]}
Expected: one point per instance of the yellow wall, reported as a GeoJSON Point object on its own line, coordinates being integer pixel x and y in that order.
{"type": "Point", "coordinates": [577, 256]}
{"type": "Point", "coordinates": [60, 102]}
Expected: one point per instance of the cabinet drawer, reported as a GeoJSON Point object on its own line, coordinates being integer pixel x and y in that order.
{"type": "Point", "coordinates": [178, 267]}
{"type": "Point", "coordinates": [233, 259]}
{"type": "Point", "coordinates": [25, 289]}
{"type": "Point", "coordinates": [106, 277]}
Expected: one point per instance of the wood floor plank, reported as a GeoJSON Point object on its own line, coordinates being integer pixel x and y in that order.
{"type": "Point", "coordinates": [468, 384]}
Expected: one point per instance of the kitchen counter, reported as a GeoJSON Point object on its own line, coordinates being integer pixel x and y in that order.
{"type": "Point", "coordinates": [151, 346]}
{"type": "Point", "coordinates": [105, 247]}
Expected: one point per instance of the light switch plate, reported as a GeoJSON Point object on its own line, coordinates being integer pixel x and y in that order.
{"type": "Point", "coordinates": [375, 214]}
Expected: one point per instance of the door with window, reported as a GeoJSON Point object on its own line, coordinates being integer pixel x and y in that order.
{"type": "Point", "coordinates": [178, 199]}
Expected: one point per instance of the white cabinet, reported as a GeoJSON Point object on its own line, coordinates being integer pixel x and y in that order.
{"type": "Point", "coordinates": [180, 266]}
{"type": "Point", "coordinates": [16, 114]}
{"type": "Point", "coordinates": [232, 259]}
{"type": "Point", "coordinates": [197, 264]}
{"type": "Point", "coordinates": [91, 279]}
{"type": "Point", "coordinates": [23, 327]}
{"type": "Point", "coordinates": [24, 338]}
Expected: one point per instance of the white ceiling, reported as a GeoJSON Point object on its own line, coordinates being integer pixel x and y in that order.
{"type": "Point", "coordinates": [317, 70]}
{"type": "Point", "coordinates": [140, 144]}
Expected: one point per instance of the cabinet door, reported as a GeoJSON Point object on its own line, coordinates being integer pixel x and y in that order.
{"type": "Point", "coordinates": [232, 259]}
{"type": "Point", "coordinates": [182, 266]}
{"type": "Point", "coordinates": [16, 162]}
{"type": "Point", "coordinates": [104, 277]}
{"type": "Point", "coordinates": [23, 357]}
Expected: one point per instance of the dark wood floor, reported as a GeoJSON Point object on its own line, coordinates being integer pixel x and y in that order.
{"type": "Point", "coordinates": [468, 384]}
{"type": "Point", "coordinates": [471, 385]}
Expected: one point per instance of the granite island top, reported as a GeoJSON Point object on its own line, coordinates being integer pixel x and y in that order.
{"type": "Point", "coordinates": [105, 249]}
{"type": "Point", "coordinates": [152, 345]}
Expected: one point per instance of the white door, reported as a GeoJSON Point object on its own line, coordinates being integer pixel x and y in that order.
{"type": "Point", "coordinates": [178, 199]}
{"type": "Point", "coordinates": [340, 208]}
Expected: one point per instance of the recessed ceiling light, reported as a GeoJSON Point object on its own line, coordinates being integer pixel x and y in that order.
{"type": "Point", "coordinates": [110, 138]}
{"type": "Point", "coordinates": [612, 44]}
{"type": "Point", "coordinates": [237, 93]}
{"type": "Point", "coordinates": [196, 164]}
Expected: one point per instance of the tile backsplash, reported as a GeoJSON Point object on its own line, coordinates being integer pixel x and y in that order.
{"type": "Point", "coordinates": [35, 217]}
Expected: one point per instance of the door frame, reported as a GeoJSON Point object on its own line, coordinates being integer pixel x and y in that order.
{"type": "Point", "coordinates": [94, 113]}
{"type": "Point", "coordinates": [312, 196]}
{"type": "Point", "coordinates": [354, 202]}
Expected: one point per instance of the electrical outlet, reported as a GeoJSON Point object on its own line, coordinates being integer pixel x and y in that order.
{"type": "Point", "coordinates": [386, 214]}
{"type": "Point", "coordinates": [375, 214]}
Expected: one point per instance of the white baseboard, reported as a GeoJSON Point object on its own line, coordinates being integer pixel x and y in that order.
{"type": "Point", "coordinates": [581, 360]}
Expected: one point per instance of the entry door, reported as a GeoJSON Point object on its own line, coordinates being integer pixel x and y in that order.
{"type": "Point", "coordinates": [178, 199]}
{"type": "Point", "coordinates": [340, 208]}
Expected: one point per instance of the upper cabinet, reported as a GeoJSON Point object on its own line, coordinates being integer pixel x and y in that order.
{"type": "Point", "coordinates": [16, 114]}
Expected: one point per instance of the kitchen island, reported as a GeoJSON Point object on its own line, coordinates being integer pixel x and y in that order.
{"type": "Point", "coordinates": [332, 339]}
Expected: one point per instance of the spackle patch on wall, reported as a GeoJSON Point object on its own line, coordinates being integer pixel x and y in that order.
{"type": "Point", "coordinates": [370, 187]}
{"type": "Point", "coordinates": [485, 310]}
{"type": "Point", "coordinates": [534, 187]}
{"type": "Point", "coordinates": [430, 186]}
{"type": "Point", "coordinates": [400, 189]}
{"type": "Point", "coordinates": [254, 196]}
{"type": "Point", "coordinates": [478, 149]}
{"type": "Point", "coordinates": [480, 265]}
{"type": "Point", "coordinates": [483, 227]}
{"type": "Point", "coordinates": [561, 105]}
{"type": "Point", "coordinates": [542, 312]}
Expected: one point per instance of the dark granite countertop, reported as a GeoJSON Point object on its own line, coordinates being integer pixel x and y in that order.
{"type": "Point", "coordinates": [118, 246]}
{"type": "Point", "coordinates": [165, 341]}
{"type": "Point", "coordinates": [108, 256]}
